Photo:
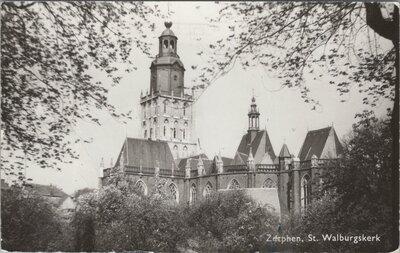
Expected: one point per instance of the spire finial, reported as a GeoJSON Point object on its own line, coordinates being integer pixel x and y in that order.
{"type": "Point", "coordinates": [168, 24]}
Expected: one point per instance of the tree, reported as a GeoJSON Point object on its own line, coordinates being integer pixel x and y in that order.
{"type": "Point", "coordinates": [298, 41]}
{"type": "Point", "coordinates": [119, 217]}
{"type": "Point", "coordinates": [356, 197]}
{"type": "Point", "coordinates": [50, 53]}
{"type": "Point", "coordinates": [231, 222]}
{"type": "Point", "coordinates": [29, 223]}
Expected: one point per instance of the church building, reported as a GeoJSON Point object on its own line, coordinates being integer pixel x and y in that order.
{"type": "Point", "coordinates": [168, 149]}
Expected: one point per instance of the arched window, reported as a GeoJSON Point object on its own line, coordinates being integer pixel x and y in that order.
{"type": "Point", "coordinates": [165, 43]}
{"type": "Point", "coordinates": [174, 192]}
{"type": "Point", "coordinates": [269, 183]}
{"type": "Point", "coordinates": [175, 147]}
{"type": "Point", "coordinates": [207, 190]}
{"type": "Point", "coordinates": [305, 197]}
{"type": "Point", "coordinates": [234, 185]}
{"type": "Point", "coordinates": [172, 44]}
{"type": "Point", "coordinates": [155, 120]}
{"type": "Point", "coordinates": [141, 186]}
{"type": "Point", "coordinates": [175, 77]}
{"type": "Point", "coordinates": [165, 131]}
{"type": "Point", "coordinates": [193, 194]}
{"type": "Point", "coordinates": [174, 132]}
{"type": "Point", "coordinates": [184, 148]}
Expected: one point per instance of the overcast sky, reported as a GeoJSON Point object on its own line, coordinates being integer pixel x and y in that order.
{"type": "Point", "coordinates": [220, 112]}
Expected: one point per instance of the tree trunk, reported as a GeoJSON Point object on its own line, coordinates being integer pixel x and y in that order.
{"type": "Point", "coordinates": [389, 29]}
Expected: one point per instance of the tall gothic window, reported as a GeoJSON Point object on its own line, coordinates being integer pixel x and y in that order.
{"type": "Point", "coordinates": [234, 185]}
{"type": "Point", "coordinates": [207, 190]}
{"type": "Point", "coordinates": [305, 197]}
{"type": "Point", "coordinates": [269, 183]}
{"type": "Point", "coordinates": [141, 186]}
{"type": "Point", "coordinates": [174, 192]}
{"type": "Point", "coordinates": [165, 130]}
{"type": "Point", "coordinates": [193, 194]}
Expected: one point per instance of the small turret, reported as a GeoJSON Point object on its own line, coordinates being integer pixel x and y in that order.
{"type": "Point", "coordinates": [219, 163]}
{"type": "Point", "coordinates": [101, 168]}
{"type": "Point", "coordinates": [250, 161]}
{"type": "Point", "coordinates": [285, 159]}
{"type": "Point", "coordinates": [200, 167]}
{"type": "Point", "coordinates": [101, 173]}
{"type": "Point", "coordinates": [254, 121]}
{"type": "Point", "coordinates": [187, 168]}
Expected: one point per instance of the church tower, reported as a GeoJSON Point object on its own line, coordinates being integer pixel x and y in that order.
{"type": "Point", "coordinates": [254, 121]}
{"type": "Point", "coordinates": [167, 110]}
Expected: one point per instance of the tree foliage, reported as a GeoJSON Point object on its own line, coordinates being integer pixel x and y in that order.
{"type": "Point", "coordinates": [231, 222]}
{"type": "Point", "coordinates": [28, 222]}
{"type": "Point", "coordinates": [297, 41]}
{"type": "Point", "coordinates": [357, 197]}
{"type": "Point", "coordinates": [50, 54]}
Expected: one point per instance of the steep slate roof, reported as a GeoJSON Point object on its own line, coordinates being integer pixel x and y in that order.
{"type": "Point", "coordinates": [146, 152]}
{"type": "Point", "coordinates": [49, 191]}
{"type": "Point", "coordinates": [226, 160]}
{"type": "Point", "coordinates": [260, 145]}
{"type": "Point", "coordinates": [183, 161]}
{"type": "Point", "coordinates": [317, 142]}
{"type": "Point", "coordinates": [284, 151]}
{"type": "Point", "coordinates": [194, 160]}
{"type": "Point", "coordinates": [167, 61]}
{"type": "Point", "coordinates": [239, 158]}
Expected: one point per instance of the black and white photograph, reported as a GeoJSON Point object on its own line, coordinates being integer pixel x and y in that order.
{"type": "Point", "coordinates": [183, 126]}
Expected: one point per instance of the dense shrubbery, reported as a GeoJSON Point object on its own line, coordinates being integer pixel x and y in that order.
{"type": "Point", "coordinates": [30, 223]}
{"type": "Point", "coordinates": [121, 218]}
{"type": "Point", "coordinates": [357, 196]}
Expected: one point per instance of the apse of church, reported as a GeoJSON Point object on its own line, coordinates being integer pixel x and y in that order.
{"type": "Point", "coordinates": [167, 109]}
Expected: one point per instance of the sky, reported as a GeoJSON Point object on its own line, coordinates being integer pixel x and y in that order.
{"type": "Point", "coordinates": [220, 113]}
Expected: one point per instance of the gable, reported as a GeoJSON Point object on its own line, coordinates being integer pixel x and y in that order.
{"type": "Point", "coordinates": [146, 153]}
{"type": "Point", "coordinates": [323, 143]}
{"type": "Point", "coordinates": [260, 145]}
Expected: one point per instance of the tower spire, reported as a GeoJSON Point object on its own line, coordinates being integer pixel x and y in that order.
{"type": "Point", "coordinates": [254, 115]}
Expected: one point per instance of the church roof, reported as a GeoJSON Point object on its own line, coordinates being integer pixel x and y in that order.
{"type": "Point", "coordinates": [260, 145]}
{"type": "Point", "coordinates": [323, 143]}
{"type": "Point", "coordinates": [167, 60]}
{"type": "Point", "coordinates": [49, 191]}
{"type": "Point", "coordinates": [194, 160]}
{"type": "Point", "coordinates": [183, 161]}
{"type": "Point", "coordinates": [284, 151]}
{"type": "Point", "coordinates": [145, 152]}
{"type": "Point", "coordinates": [168, 32]}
